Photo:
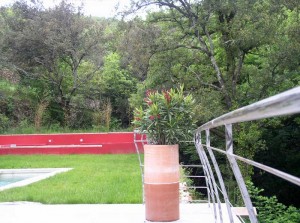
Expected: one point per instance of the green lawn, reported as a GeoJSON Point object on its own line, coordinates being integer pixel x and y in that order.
{"type": "Point", "coordinates": [95, 179]}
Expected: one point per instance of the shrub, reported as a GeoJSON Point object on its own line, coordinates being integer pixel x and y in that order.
{"type": "Point", "coordinates": [167, 116]}
{"type": "Point", "coordinates": [4, 123]}
{"type": "Point", "coordinates": [270, 210]}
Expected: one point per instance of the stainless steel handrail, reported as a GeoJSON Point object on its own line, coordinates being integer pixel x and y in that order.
{"type": "Point", "coordinates": [286, 103]}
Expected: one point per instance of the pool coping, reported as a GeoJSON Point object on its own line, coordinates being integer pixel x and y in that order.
{"type": "Point", "coordinates": [44, 174]}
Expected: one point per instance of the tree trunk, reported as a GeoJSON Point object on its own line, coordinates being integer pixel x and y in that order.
{"type": "Point", "coordinates": [65, 105]}
{"type": "Point", "coordinates": [42, 106]}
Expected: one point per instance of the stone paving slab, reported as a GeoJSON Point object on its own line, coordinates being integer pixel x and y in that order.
{"type": "Point", "coordinates": [26, 212]}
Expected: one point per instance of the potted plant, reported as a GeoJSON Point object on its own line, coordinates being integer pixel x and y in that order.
{"type": "Point", "coordinates": [167, 119]}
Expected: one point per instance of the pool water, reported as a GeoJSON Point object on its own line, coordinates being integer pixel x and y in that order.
{"type": "Point", "coordinates": [6, 179]}
{"type": "Point", "coordinates": [10, 178]}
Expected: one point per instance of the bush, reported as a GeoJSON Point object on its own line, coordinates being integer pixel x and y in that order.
{"type": "Point", "coordinates": [270, 210]}
{"type": "Point", "coordinates": [4, 123]}
{"type": "Point", "coordinates": [167, 116]}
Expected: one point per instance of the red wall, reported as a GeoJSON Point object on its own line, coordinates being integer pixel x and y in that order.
{"type": "Point", "coordinates": [90, 143]}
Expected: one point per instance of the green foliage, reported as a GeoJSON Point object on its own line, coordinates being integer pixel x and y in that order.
{"type": "Point", "coordinates": [168, 117]}
{"type": "Point", "coordinates": [281, 136]}
{"type": "Point", "coordinates": [248, 133]}
{"type": "Point", "coordinates": [118, 85]}
{"type": "Point", "coordinates": [17, 102]}
{"type": "Point", "coordinates": [115, 124]}
{"type": "Point", "coordinates": [113, 74]}
{"type": "Point", "coordinates": [4, 123]}
{"type": "Point", "coordinates": [270, 210]}
{"type": "Point", "coordinates": [57, 49]}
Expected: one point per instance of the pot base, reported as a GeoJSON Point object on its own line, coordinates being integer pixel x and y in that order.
{"type": "Point", "coordinates": [162, 202]}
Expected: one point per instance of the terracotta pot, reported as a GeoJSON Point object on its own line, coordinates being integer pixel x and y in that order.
{"type": "Point", "coordinates": [161, 182]}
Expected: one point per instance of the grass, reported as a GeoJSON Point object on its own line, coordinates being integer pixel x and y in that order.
{"type": "Point", "coordinates": [95, 179]}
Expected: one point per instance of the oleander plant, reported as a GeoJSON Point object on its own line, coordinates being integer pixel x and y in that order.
{"type": "Point", "coordinates": [167, 116]}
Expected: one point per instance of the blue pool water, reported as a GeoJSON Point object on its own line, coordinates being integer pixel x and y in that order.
{"type": "Point", "coordinates": [10, 178]}
{"type": "Point", "coordinates": [5, 180]}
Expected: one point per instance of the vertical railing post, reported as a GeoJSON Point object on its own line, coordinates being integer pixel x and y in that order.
{"type": "Point", "coordinates": [237, 173]}
{"type": "Point", "coordinates": [136, 144]}
{"type": "Point", "coordinates": [219, 175]}
{"type": "Point", "coordinates": [213, 177]}
{"type": "Point", "coordinates": [200, 151]}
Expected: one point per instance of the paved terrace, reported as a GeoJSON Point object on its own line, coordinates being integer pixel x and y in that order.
{"type": "Point", "coordinates": [26, 212]}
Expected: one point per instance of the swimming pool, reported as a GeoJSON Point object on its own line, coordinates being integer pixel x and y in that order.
{"type": "Point", "coordinates": [6, 179]}
{"type": "Point", "coordinates": [10, 178]}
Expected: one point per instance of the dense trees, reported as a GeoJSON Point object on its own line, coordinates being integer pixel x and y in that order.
{"type": "Point", "coordinates": [59, 52]}
{"type": "Point", "coordinates": [226, 36]}
{"type": "Point", "coordinates": [52, 46]}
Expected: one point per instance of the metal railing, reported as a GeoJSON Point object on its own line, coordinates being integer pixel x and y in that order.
{"type": "Point", "coordinates": [192, 187]}
{"type": "Point", "coordinates": [286, 103]}
{"type": "Point", "coordinates": [140, 140]}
